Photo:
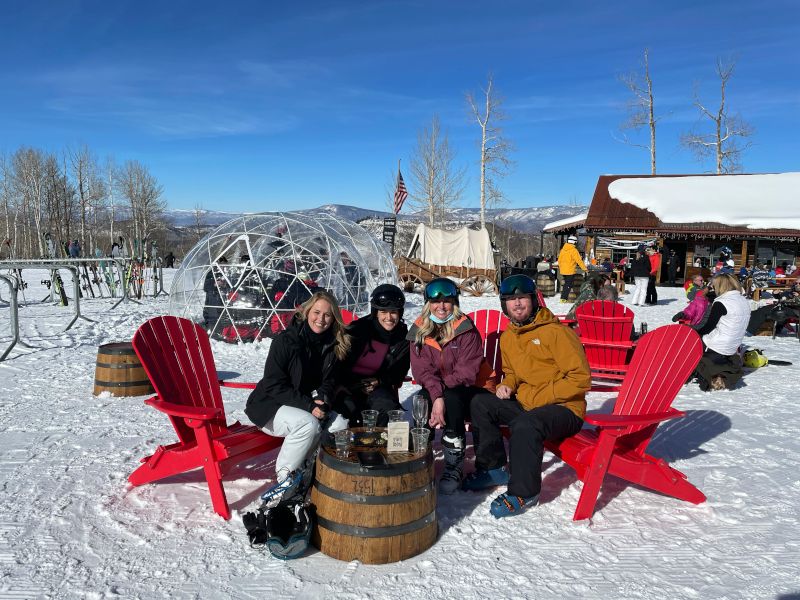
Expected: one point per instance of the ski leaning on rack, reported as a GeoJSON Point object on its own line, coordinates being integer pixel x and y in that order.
{"type": "Point", "coordinates": [55, 276]}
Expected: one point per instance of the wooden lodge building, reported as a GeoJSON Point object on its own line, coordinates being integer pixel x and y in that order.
{"type": "Point", "coordinates": [756, 216]}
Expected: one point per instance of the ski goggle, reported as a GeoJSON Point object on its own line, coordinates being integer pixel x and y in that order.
{"type": "Point", "coordinates": [439, 289]}
{"type": "Point", "coordinates": [517, 285]}
{"type": "Point", "coordinates": [388, 301]}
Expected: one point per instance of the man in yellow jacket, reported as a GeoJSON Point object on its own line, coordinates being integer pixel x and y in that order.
{"type": "Point", "coordinates": [568, 259]}
{"type": "Point", "coordinates": [541, 398]}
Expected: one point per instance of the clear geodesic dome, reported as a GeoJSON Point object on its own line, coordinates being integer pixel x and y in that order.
{"type": "Point", "coordinates": [244, 280]}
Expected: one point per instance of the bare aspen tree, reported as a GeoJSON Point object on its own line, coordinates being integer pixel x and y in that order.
{"type": "Point", "coordinates": [730, 135]}
{"type": "Point", "coordinates": [436, 184]}
{"type": "Point", "coordinates": [111, 170]}
{"type": "Point", "coordinates": [30, 184]}
{"type": "Point", "coordinates": [641, 108]}
{"type": "Point", "coordinates": [495, 161]}
{"type": "Point", "coordinates": [199, 221]}
{"type": "Point", "coordinates": [5, 195]}
{"type": "Point", "coordinates": [59, 199]}
{"type": "Point", "coordinates": [144, 196]}
{"type": "Point", "coordinates": [90, 190]}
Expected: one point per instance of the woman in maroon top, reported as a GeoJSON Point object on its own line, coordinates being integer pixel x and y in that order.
{"type": "Point", "coordinates": [378, 360]}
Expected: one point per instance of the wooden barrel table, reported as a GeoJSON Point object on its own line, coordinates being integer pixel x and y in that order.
{"type": "Point", "coordinates": [119, 371]}
{"type": "Point", "coordinates": [378, 514]}
{"type": "Point", "coordinates": [546, 284]}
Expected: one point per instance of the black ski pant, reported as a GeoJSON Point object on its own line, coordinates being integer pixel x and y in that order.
{"type": "Point", "coordinates": [529, 431]}
{"type": "Point", "coordinates": [567, 286]}
{"type": "Point", "coordinates": [457, 403]}
{"type": "Point", "coordinates": [673, 274]}
{"type": "Point", "coordinates": [652, 295]}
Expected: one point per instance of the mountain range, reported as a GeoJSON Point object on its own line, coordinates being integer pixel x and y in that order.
{"type": "Point", "coordinates": [525, 220]}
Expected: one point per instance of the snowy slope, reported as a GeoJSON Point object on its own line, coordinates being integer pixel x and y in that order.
{"type": "Point", "coordinates": [71, 526]}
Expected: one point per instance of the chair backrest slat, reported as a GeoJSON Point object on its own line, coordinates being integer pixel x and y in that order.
{"type": "Point", "coordinates": [490, 324]}
{"type": "Point", "coordinates": [177, 356]}
{"type": "Point", "coordinates": [662, 363]}
{"type": "Point", "coordinates": [604, 321]}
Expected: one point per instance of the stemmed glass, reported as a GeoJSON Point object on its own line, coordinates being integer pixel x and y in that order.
{"type": "Point", "coordinates": [419, 410]}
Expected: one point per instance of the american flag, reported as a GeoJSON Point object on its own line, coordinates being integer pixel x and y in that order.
{"type": "Point", "coordinates": [400, 193]}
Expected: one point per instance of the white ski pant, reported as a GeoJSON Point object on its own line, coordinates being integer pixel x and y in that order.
{"type": "Point", "coordinates": [640, 292]}
{"type": "Point", "coordinates": [301, 432]}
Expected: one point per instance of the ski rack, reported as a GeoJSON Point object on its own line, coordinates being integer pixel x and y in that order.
{"type": "Point", "coordinates": [49, 264]}
{"type": "Point", "coordinates": [13, 288]}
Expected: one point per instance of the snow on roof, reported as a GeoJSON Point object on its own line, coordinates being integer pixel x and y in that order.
{"type": "Point", "coordinates": [561, 222]}
{"type": "Point", "coordinates": [755, 201]}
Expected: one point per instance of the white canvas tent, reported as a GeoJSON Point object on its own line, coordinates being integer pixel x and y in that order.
{"type": "Point", "coordinates": [457, 248]}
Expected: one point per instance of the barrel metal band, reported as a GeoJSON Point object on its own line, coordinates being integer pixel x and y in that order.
{"type": "Point", "coordinates": [388, 470]}
{"type": "Point", "coordinates": [135, 365]}
{"type": "Point", "coordinates": [361, 499]}
{"type": "Point", "coordinates": [121, 383]}
{"type": "Point", "coordinates": [377, 532]}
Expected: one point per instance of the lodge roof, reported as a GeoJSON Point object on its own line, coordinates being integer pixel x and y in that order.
{"type": "Point", "coordinates": [607, 213]}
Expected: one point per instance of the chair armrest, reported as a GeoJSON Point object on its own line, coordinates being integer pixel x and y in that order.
{"type": "Point", "coordinates": [181, 410]}
{"type": "Point", "coordinates": [605, 388]}
{"type": "Point", "coordinates": [242, 385]}
{"type": "Point", "coordinates": [623, 421]}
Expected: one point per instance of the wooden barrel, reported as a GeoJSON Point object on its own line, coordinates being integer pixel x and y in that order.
{"type": "Point", "coordinates": [546, 285]}
{"type": "Point", "coordinates": [119, 371]}
{"type": "Point", "coordinates": [375, 515]}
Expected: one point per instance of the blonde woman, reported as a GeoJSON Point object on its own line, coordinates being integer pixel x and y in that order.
{"type": "Point", "coordinates": [447, 360]}
{"type": "Point", "coordinates": [722, 333]}
{"type": "Point", "coordinates": [293, 399]}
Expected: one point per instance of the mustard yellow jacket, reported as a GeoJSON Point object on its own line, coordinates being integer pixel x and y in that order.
{"type": "Point", "coordinates": [568, 259]}
{"type": "Point", "coordinates": [544, 363]}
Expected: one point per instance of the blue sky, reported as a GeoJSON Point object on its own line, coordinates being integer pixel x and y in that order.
{"type": "Point", "coordinates": [256, 106]}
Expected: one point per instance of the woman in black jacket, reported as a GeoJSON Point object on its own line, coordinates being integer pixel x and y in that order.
{"type": "Point", "coordinates": [379, 359]}
{"type": "Point", "coordinates": [294, 398]}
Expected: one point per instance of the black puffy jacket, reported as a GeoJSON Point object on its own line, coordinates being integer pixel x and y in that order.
{"type": "Point", "coordinates": [395, 364]}
{"type": "Point", "coordinates": [292, 373]}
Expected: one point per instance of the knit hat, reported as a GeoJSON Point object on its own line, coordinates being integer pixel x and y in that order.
{"type": "Point", "coordinates": [572, 239]}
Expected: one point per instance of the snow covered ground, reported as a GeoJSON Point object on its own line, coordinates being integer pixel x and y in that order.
{"type": "Point", "coordinates": [72, 527]}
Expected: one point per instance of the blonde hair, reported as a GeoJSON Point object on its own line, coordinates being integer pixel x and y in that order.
{"type": "Point", "coordinates": [442, 333]}
{"type": "Point", "coordinates": [342, 339]}
{"type": "Point", "coordinates": [725, 282]}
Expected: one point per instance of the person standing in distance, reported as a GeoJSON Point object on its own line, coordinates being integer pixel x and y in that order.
{"type": "Point", "coordinates": [568, 259]}
{"type": "Point", "coordinates": [542, 398]}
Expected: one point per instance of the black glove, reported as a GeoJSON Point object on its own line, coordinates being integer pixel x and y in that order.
{"type": "Point", "coordinates": [678, 317]}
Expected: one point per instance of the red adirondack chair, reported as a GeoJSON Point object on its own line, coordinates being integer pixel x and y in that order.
{"type": "Point", "coordinates": [661, 364]}
{"type": "Point", "coordinates": [605, 330]}
{"type": "Point", "coordinates": [491, 324]}
{"type": "Point", "coordinates": [176, 355]}
{"type": "Point", "coordinates": [348, 316]}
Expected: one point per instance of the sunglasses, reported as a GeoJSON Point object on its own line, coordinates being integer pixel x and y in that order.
{"type": "Point", "coordinates": [441, 289]}
{"type": "Point", "coordinates": [517, 285]}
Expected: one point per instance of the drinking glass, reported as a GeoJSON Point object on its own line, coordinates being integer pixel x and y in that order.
{"type": "Point", "coordinates": [342, 438]}
{"type": "Point", "coordinates": [419, 409]}
{"type": "Point", "coordinates": [396, 415]}
{"type": "Point", "coordinates": [369, 418]}
{"type": "Point", "coordinates": [419, 439]}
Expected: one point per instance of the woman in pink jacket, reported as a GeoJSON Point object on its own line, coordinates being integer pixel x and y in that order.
{"type": "Point", "coordinates": [447, 360]}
